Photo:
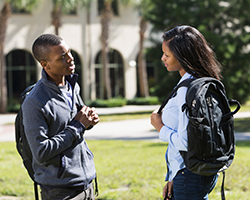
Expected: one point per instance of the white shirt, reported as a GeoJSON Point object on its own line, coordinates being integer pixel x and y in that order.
{"type": "Point", "coordinates": [174, 130]}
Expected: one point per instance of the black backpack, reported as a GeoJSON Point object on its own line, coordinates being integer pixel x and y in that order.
{"type": "Point", "coordinates": [210, 130]}
{"type": "Point", "coordinates": [22, 145]}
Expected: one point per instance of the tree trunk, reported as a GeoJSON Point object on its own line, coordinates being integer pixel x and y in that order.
{"type": "Point", "coordinates": [89, 52]}
{"type": "Point", "coordinates": [5, 14]}
{"type": "Point", "coordinates": [142, 71]}
{"type": "Point", "coordinates": [106, 15]}
{"type": "Point", "coordinates": [56, 18]}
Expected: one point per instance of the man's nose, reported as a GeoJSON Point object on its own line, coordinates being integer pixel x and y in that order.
{"type": "Point", "coordinates": [71, 58]}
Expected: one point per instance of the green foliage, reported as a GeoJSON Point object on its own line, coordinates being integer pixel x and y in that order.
{"type": "Point", "coordinates": [14, 108]}
{"type": "Point", "coordinates": [225, 25]}
{"type": "Point", "coordinates": [165, 81]}
{"type": "Point", "coordinates": [26, 5]}
{"type": "Point", "coordinates": [131, 170]}
{"type": "Point", "coordinates": [103, 103]}
{"type": "Point", "coordinates": [118, 102]}
{"type": "Point", "coordinates": [144, 101]}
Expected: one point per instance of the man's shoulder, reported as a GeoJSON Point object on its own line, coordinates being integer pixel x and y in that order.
{"type": "Point", "coordinates": [37, 95]}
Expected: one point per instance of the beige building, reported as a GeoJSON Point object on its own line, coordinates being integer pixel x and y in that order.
{"type": "Point", "coordinates": [84, 40]}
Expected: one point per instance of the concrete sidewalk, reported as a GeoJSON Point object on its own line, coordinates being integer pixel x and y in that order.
{"type": "Point", "coordinates": [125, 130]}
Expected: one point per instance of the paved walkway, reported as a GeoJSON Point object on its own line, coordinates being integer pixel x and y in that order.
{"type": "Point", "coordinates": [125, 129]}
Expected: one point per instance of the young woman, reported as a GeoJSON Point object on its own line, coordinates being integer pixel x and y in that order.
{"type": "Point", "coordinates": [184, 50]}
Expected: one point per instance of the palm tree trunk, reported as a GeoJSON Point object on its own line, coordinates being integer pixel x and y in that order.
{"type": "Point", "coordinates": [142, 72]}
{"type": "Point", "coordinates": [56, 18]}
{"type": "Point", "coordinates": [106, 15]}
{"type": "Point", "coordinates": [5, 14]}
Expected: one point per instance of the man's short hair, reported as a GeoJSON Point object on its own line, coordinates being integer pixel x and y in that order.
{"type": "Point", "coordinates": [41, 46]}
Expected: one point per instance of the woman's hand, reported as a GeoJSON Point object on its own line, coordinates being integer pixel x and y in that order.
{"type": "Point", "coordinates": [168, 190]}
{"type": "Point", "coordinates": [156, 120]}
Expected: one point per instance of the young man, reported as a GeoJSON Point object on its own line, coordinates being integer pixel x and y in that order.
{"type": "Point", "coordinates": [55, 127]}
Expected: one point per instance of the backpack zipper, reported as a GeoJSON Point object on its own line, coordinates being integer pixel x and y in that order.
{"type": "Point", "coordinates": [210, 109]}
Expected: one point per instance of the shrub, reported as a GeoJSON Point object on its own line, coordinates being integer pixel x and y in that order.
{"type": "Point", "coordinates": [115, 102]}
{"type": "Point", "coordinates": [144, 101]}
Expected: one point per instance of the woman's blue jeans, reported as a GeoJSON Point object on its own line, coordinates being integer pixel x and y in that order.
{"type": "Point", "coordinates": [190, 186]}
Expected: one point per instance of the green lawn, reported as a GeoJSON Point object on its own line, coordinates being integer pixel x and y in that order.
{"type": "Point", "coordinates": [127, 170]}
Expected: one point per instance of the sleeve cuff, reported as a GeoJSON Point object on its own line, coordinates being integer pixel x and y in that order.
{"type": "Point", "coordinates": [163, 135]}
{"type": "Point", "coordinates": [78, 127]}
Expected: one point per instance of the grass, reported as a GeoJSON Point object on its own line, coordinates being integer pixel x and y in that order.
{"type": "Point", "coordinates": [131, 170]}
{"type": "Point", "coordinates": [244, 107]}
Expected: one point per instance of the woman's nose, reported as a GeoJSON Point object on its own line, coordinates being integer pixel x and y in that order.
{"type": "Point", "coordinates": [162, 57]}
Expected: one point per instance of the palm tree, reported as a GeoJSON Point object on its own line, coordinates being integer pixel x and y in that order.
{"type": "Point", "coordinates": [60, 7]}
{"type": "Point", "coordinates": [64, 6]}
{"type": "Point", "coordinates": [56, 15]}
{"type": "Point", "coordinates": [142, 71]}
{"type": "Point", "coordinates": [4, 16]}
{"type": "Point", "coordinates": [141, 6]}
{"type": "Point", "coordinates": [106, 15]}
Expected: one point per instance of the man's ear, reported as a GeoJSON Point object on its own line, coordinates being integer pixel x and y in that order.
{"type": "Point", "coordinates": [45, 65]}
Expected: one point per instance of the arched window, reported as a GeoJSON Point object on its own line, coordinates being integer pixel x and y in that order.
{"type": "Point", "coordinates": [21, 72]}
{"type": "Point", "coordinates": [116, 74]}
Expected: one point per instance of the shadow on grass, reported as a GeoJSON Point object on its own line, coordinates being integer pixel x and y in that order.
{"type": "Point", "coordinates": [103, 199]}
{"type": "Point", "coordinates": [242, 143]}
{"type": "Point", "coordinates": [164, 144]}
{"type": "Point", "coordinates": [242, 125]}
{"type": "Point", "coordinates": [158, 144]}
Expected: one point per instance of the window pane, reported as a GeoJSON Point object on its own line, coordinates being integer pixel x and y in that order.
{"type": "Point", "coordinates": [116, 74]}
{"type": "Point", "coordinates": [21, 72]}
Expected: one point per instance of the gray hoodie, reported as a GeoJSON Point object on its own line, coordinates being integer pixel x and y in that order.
{"type": "Point", "coordinates": [61, 157]}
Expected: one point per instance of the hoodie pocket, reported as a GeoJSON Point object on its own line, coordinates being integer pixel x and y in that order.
{"type": "Point", "coordinates": [90, 154]}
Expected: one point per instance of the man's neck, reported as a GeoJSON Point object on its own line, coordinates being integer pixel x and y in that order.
{"type": "Point", "coordinates": [59, 82]}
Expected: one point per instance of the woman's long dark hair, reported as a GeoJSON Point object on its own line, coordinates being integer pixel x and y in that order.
{"type": "Point", "coordinates": [193, 52]}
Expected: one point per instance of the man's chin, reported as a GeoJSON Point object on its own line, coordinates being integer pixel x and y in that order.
{"type": "Point", "coordinates": [72, 69]}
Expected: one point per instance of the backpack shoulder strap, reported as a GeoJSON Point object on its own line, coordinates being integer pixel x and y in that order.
{"type": "Point", "coordinates": [184, 83]}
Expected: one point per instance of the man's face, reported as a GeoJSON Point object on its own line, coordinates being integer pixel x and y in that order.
{"type": "Point", "coordinates": [61, 62]}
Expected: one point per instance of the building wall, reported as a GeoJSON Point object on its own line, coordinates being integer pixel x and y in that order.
{"type": "Point", "coordinates": [83, 38]}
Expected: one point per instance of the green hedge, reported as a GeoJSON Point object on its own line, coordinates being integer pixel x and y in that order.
{"type": "Point", "coordinates": [144, 101]}
{"type": "Point", "coordinates": [115, 102]}
{"type": "Point", "coordinates": [119, 102]}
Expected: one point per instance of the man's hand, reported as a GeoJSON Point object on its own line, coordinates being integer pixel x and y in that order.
{"type": "Point", "coordinates": [156, 120]}
{"type": "Point", "coordinates": [87, 116]}
{"type": "Point", "coordinates": [95, 117]}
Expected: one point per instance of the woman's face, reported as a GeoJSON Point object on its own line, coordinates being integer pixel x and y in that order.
{"type": "Point", "coordinates": [170, 62]}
